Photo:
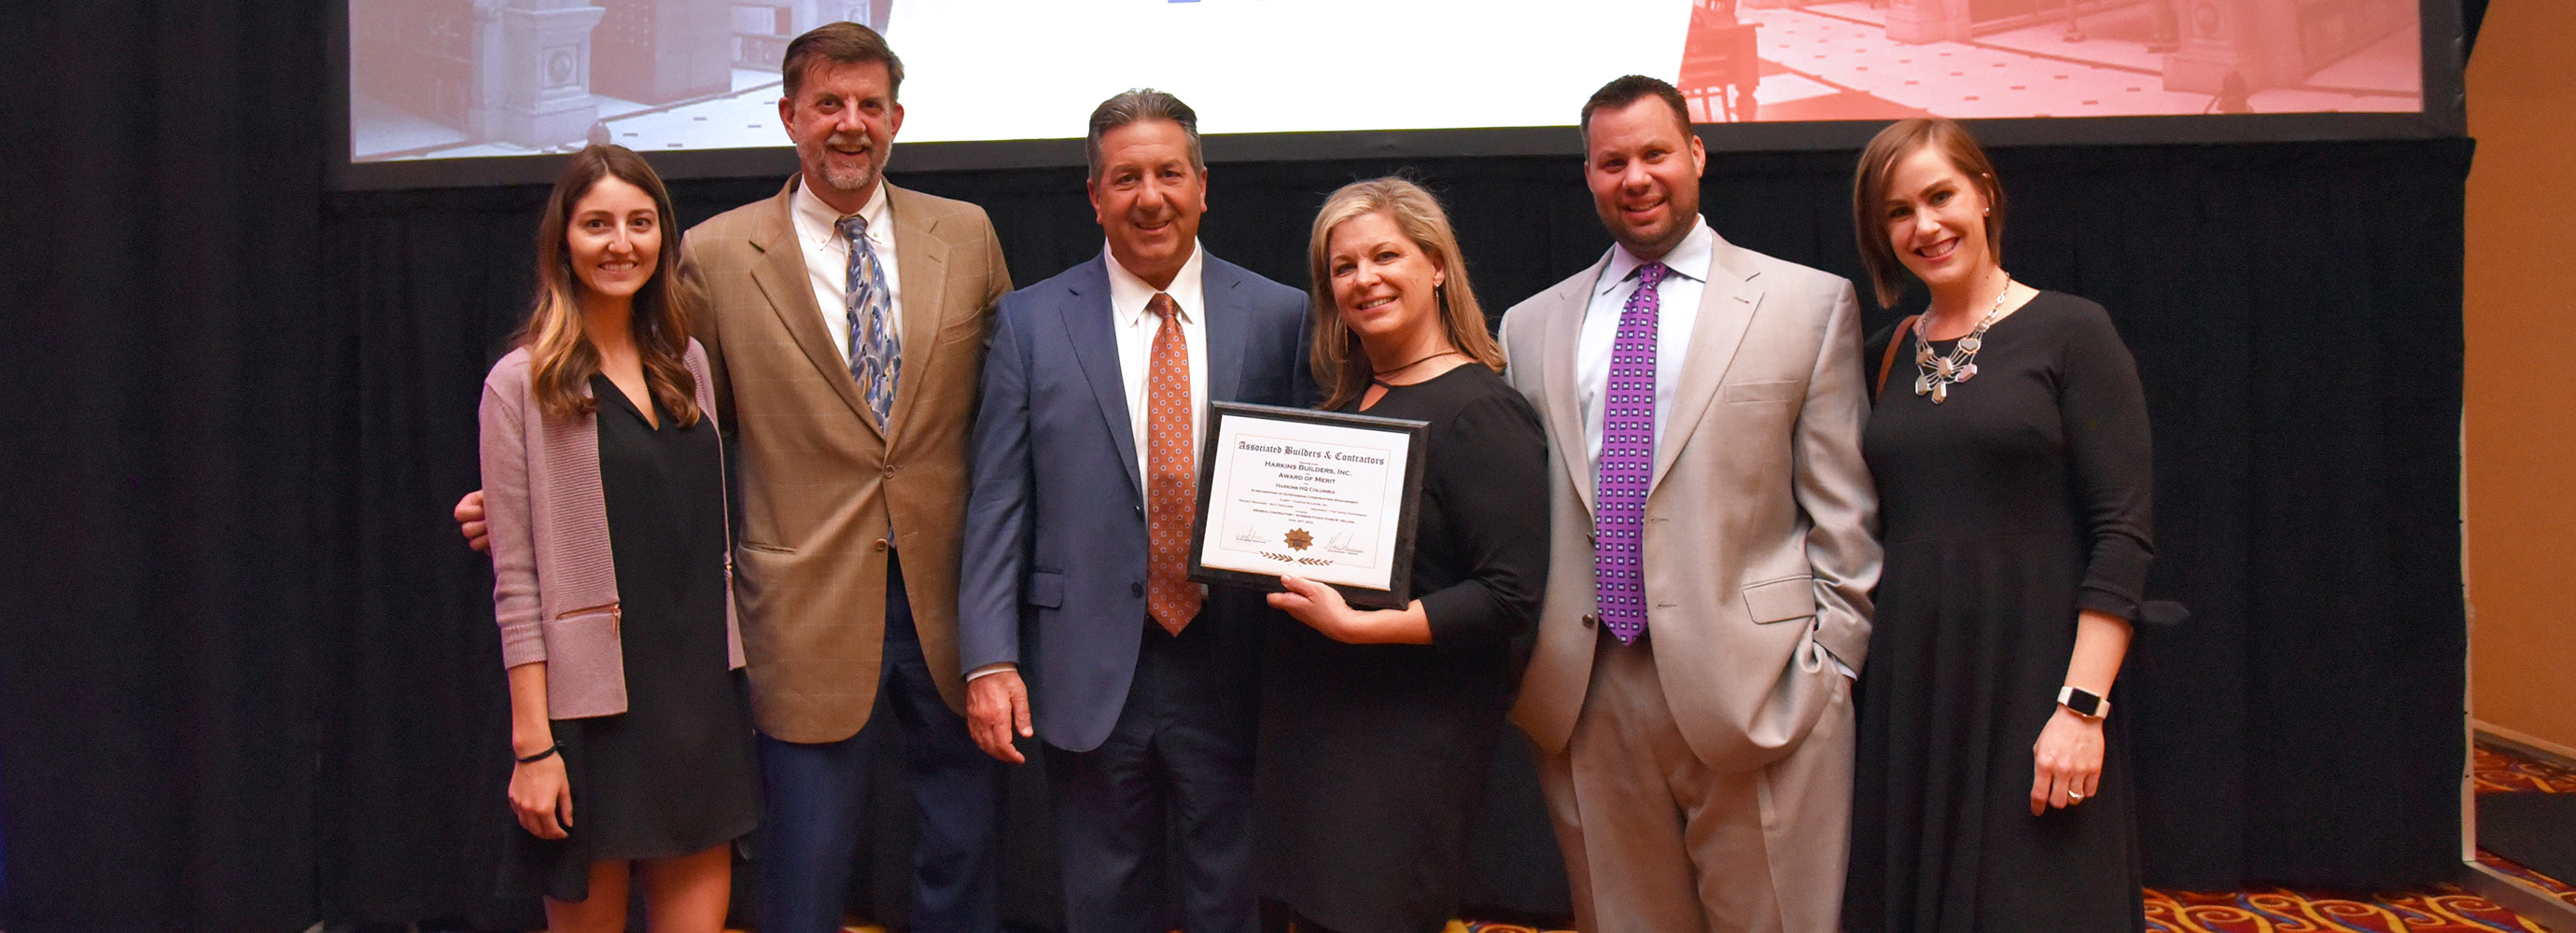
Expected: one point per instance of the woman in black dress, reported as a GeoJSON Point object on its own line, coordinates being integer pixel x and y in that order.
{"type": "Point", "coordinates": [2009, 443]}
{"type": "Point", "coordinates": [605, 489]}
{"type": "Point", "coordinates": [1378, 727]}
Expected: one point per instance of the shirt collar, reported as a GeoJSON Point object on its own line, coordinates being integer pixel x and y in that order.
{"type": "Point", "coordinates": [1128, 294]}
{"type": "Point", "coordinates": [818, 222]}
{"type": "Point", "coordinates": [1690, 259]}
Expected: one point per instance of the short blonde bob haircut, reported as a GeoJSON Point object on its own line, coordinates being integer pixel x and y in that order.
{"type": "Point", "coordinates": [1340, 366]}
{"type": "Point", "coordinates": [1869, 194]}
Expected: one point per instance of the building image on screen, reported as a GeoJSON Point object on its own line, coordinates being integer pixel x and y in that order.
{"type": "Point", "coordinates": [451, 78]}
{"type": "Point", "coordinates": [434, 79]}
{"type": "Point", "coordinates": [1780, 60]}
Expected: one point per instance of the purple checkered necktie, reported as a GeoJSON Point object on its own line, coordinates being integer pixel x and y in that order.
{"type": "Point", "coordinates": [1627, 462]}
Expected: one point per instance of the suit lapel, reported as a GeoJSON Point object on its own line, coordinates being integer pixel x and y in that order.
{"type": "Point", "coordinates": [1090, 325]}
{"type": "Point", "coordinates": [922, 261]}
{"type": "Point", "coordinates": [1726, 309]}
{"type": "Point", "coordinates": [781, 277]}
{"type": "Point", "coordinates": [1564, 399]}
{"type": "Point", "coordinates": [1227, 330]}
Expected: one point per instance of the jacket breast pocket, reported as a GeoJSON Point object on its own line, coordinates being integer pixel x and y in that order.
{"type": "Point", "coordinates": [1780, 390]}
{"type": "Point", "coordinates": [962, 328]}
{"type": "Point", "coordinates": [1781, 600]}
{"type": "Point", "coordinates": [1046, 589]}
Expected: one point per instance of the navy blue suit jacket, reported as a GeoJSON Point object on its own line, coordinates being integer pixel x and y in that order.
{"type": "Point", "coordinates": [1054, 571]}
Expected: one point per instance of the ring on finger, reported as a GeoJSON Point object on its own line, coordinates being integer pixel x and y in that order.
{"type": "Point", "coordinates": [2073, 795]}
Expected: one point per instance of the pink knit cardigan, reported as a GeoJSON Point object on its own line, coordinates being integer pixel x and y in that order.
{"type": "Point", "coordinates": [554, 586]}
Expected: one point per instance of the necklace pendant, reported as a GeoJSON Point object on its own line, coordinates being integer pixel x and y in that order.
{"type": "Point", "coordinates": [1966, 373]}
{"type": "Point", "coordinates": [1923, 384]}
{"type": "Point", "coordinates": [1944, 370]}
{"type": "Point", "coordinates": [1968, 345]}
{"type": "Point", "coordinates": [1940, 392]}
{"type": "Point", "coordinates": [1922, 353]}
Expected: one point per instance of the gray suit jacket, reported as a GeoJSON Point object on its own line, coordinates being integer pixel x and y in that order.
{"type": "Point", "coordinates": [1761, 518]}
{"type": "Point", "coordinates": [825, 489]}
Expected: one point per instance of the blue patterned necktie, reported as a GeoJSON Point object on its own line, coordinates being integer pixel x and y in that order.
{"type": "Point", "coordinates": [876, 351]}
{"type": "Point", "coordinates": [1627, 463]}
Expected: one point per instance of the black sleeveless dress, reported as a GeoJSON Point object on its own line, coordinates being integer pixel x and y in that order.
{"type": "Point", "coordinates": [674, 773]}
{"type": "Point", "coordinates": [2008, 508]}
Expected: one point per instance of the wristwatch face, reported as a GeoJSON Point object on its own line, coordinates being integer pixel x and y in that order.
{"type": "Point", "coordinates": [2084, 703]}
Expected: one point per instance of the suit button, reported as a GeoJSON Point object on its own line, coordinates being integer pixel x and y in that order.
{"type": "Point", "coordinates": [1590, 620]}
{"type": "Point", "coordinates": [881, 544]}
{"type": "Point", "coordinates": [1136, 588]}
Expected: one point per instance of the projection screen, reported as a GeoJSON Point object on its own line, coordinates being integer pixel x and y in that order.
{"type": "Point", "coordinates": [479, 82]}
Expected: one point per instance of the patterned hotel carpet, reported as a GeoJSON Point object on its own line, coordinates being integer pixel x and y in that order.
{"type": "Point", "coordinates": [2448, 910]}
{"type": "Point", "coordinates": [2444, 909]}
{"type": "Point", "coordinates": [2501, 770]}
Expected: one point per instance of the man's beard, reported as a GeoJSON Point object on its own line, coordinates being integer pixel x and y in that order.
{"type": "Point", "coordinates": [851, 179]}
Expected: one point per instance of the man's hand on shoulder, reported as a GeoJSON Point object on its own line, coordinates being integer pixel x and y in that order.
{"type": "Point", "coordinates": [469, 522]}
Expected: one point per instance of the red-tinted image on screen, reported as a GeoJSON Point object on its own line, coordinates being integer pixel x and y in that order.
{"type": "Point", "coordinates": [445, 79]}
{"type": "Point", "coordinates": [1780, 60]}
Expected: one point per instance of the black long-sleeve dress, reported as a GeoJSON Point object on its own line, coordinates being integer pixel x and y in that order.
{"type": "Point", "coordinates": [2006, 509]}
{"type": "Point", "coordinates": [1372, 758]}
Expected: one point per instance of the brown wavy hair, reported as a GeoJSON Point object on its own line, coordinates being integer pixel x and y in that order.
{"type": "Point", "coordinates": [1340, 366]}
{"type": "Point", "coordinates": [561, 359]}
{"type": "Point", "coordinates": [1869, 193]}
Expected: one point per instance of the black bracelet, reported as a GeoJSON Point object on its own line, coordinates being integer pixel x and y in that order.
{"type": "Point", "coordinates": [541, 756]}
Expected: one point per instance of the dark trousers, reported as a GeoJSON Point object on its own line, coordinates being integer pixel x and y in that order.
{"type": "Point", "coordinates": [817, 794]}
{"type": "Point", "coordinates": [1175, 772]}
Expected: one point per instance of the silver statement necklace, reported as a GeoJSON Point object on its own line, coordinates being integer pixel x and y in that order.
{"type": "Point", "coordinates": [1940, 372]}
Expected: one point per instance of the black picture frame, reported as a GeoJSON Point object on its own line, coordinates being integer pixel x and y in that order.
{"type": "Point", "coordinates": [1417, 444]}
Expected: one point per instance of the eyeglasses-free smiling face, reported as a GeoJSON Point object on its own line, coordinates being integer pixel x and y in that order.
{"type": "Point", "coordinates": [1936, 220]}
{"type": "Point", "coordinates": [1643, 166]}
{"type": "Point", "coordinates": [1384, 285]}
{"type": "Point", "coordinates": [614, 238]}
{"type": "Point", "coordinates": [843, 120]}
{"type": "Point", "coordinates": [1149, 197]}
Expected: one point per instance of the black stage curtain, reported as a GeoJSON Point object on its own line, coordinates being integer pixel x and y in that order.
{"type": "Point", "coordinates": [248, 677]}
{"type": "Point", "coordinates": [2294, 309]}
{"type": "Point", "coordinates": [161, 624]}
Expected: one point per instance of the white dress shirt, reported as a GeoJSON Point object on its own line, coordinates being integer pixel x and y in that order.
{"type": "Point", "coordinates": [827, 259]}
{"type": "Point", "coordinates": [1134, 327]}
{"type": "Point", "coordinates": [1677, 310]}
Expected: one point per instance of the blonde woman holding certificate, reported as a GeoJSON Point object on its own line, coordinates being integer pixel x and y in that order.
{"type": "Point", "coordinates": [1378, 727]}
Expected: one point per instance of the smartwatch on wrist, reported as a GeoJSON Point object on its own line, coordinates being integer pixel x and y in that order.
{"type": "Point", "coordinates": [2085, 703]}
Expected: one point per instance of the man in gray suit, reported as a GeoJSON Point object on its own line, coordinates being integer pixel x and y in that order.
{"type": "Point", "coordinates": [1712, 553]}
{"type": "Point", "coordinates": [1076, 620]}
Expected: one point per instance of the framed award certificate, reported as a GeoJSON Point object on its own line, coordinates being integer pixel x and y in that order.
{"type": "Point", "coordinates": [1327, 496]}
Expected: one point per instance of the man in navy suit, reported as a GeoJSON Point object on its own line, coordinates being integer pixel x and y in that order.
{"type": "Point", "coordinates": [1076, 622]}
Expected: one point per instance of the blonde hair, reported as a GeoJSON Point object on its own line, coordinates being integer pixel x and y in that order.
{"type": "Point", "coordinates": [561, 359]}
{"type": "Point", "coordinates": [1339, 364]}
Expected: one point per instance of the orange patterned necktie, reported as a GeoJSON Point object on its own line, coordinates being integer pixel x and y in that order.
{"type": "Point", "coordinates": [1171, 474]}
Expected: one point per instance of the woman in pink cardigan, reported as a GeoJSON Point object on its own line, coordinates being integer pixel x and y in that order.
{"type": "Point", "coordinates": [604, 486]}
